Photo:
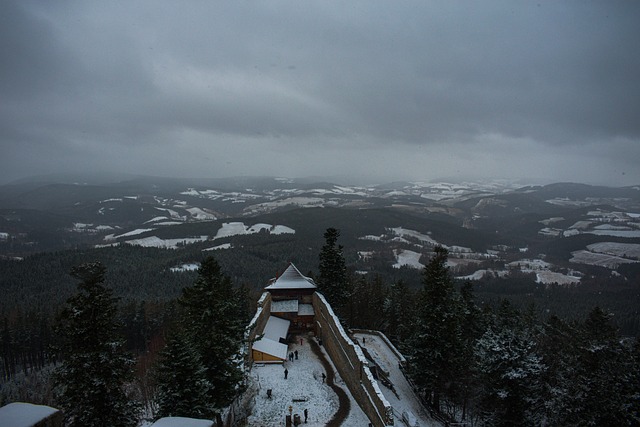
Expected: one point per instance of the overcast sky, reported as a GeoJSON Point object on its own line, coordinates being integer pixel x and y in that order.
{"type": "Point", "coordinates": [379, 90]}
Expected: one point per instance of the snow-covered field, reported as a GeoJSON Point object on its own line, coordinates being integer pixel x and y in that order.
{"type": "Point", "coordinates": [156, 242]}
{"type": "Point", "coordinates": [408, 258]}
{"type": "Point", "coordinates": [129, 233]}
{"type": "Point", "coordinates": [542, 270]}
{"type": "Point", "coordinates": [186, 267]}
{"type": "Point", "coordinates": [599, 222]}
{"type": "Point", "coordinates": [626, 250]}
{"type": "Point", "coordinates": [603, 260]}
{"type": "Point", "coordinates": [219, 247]}
{"type": "Point", "coordinates": [239, 228]}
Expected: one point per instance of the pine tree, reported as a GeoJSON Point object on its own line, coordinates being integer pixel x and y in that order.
{"type": "Point", "coordinates": [603, 363]}
{"type": "Point", "coordinates": [182, 385]}
{"type": "Point", "coordinates": [213, 323]}
{"type": "Point", "coordinates": [95, 368]}
{"type": "Point", "coordinates": [435, 347]}
{"type": "Point", "coordinates": [509, 370]}
{"type": "Point", "coordinates": [332, 280]}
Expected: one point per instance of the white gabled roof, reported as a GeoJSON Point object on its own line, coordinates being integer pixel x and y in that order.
{"type": "Point", "coordinates": [20, 414]}
{"type": "Point", "coordinates": [291, 279]}
{"type": "Point", "coordinates": [182, 422]}
{"type": "Point", "coordinates": [271, 347]}
{"type": "Point", "coordinates": [276, 328]}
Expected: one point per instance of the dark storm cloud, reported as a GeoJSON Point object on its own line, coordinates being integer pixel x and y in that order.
{"type": "Point", "coordinates": [158, 87]}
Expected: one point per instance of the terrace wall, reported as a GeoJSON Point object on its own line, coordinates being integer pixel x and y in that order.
{"type": "Point", "coordinates": [351, 364]}
{"type": "Point", "coordinates": [257, 324]}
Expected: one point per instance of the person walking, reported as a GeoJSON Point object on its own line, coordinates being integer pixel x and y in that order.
{"type": "Point", "coordinates": [324, 377]}
{"type": "Point", "coordinates": [286, 372]}
{"type": "Point", "coordinates": [296, 353]}
{"type": "Point", "coordinates": [306, 415]}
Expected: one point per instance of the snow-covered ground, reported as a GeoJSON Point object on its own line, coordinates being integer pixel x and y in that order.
{"type": "Point", "coordinates": [408, 258]}
{"type": "Point", "coordinates": [603, 260]}
{"type": "Point", "coordinates": [186, 267]}
{"type": "Point", "coordinates": [542, 270]}
{"type": "Point", "coordinates": [304, 385]}
{"type": "Point", "coordinates": [239, 228]}
{"type": "Point", "coordinates": [405, 399]}
{"type": "Point", "coordinates": [156, 242]}
{"type": "Point", "coordinates": [219, 247]}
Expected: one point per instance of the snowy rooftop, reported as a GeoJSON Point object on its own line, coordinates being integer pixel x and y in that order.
{"type": "Point", "coordinates": [288, 306]}
{"type": "Point", "coordinates": [276, 328]}
{"type": "Point", "coordinates": [306, 310]}
{"type": "Point", "coordinates": [291, 279]}
{"type": "Point", "coordinates": [20, 414]}
{"type": "Point", "coordinates": [271, 347]}
{"type": "Point", "coordinates": [181, 422]}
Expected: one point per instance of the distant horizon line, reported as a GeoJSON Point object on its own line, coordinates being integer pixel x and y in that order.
{"type": "Point", "coordinates": [89, 178]}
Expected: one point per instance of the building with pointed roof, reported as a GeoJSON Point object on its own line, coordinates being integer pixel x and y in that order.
{"type": "Point", "coordinates": [291, 283]}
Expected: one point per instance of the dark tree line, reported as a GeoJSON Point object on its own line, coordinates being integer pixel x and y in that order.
{"type": "Point", "coordinates": [110, 358]}
{"type": "Point", "coordinates": [505, 367]}
{"type": "Point", "coordinates": [497, 364]}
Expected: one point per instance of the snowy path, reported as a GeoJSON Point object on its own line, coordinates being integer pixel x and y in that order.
{"type": "Point", "coordinates": [303, 389]}
{"type": "Point", "coordinates": [406, 398]}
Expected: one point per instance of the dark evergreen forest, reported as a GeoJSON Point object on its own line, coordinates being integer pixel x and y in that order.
{"type": "Point", "coordinates": [35, 289]}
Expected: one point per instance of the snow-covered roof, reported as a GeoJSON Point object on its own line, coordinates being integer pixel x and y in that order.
{"type": "Point", "coordinates": [276, 328]}
{"type": "Point", "coordinates": [287, 306]}
{"type": "Point", "coordinates": [306, 310]}
{"type": "Point", "coordinates": [19, 414]}
{"type": "Point", "coordinates": [271, 347]}
{"type": "Point", "coordinates": [182, 422]}
{"type": "Point", "coordinates": [291, 279]}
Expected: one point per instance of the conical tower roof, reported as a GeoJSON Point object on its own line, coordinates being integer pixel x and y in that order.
{"type": "Point", "coordinates": [291, 279]}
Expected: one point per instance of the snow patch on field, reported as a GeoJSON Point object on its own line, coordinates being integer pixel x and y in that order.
{"type": "Point", "coordinates": [479, 274]}
{"type": "Point", "coordinates": [201, 215]}
{"type": "Point", "coordinates": [185, 267]}
{"type": "Point", "coordinates": [219, 247]}
{"type": "Point", "coordinates": [625, 250]}
{"type": "Point", "coordinates": [600, 259]}
{"type": "Point", "coordinates": [303, 202]}
{"type": "Point", "coordinates": [156, 219]}
{"type": "Point", "coordinates": [173, 214]}
{"type": "Point", "coordinates": [408, 258]}
{"type": "Point", "coordinates": [403, 232]}
{"type": "Point", "coordinates": [548, 277]}
{"type": "Point", "coordinates": [229, 229]}
{"type": "Point", "coordinates": [156, 242]}
{"type": "Point", "coordinates": [632, 234]}
{"type": "Point", "coordinates": [129, 234]}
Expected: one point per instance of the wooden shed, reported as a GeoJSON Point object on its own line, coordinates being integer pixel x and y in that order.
{"type": "Point", "coordinates": [272, 347]}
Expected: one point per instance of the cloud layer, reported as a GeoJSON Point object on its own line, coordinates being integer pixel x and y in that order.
{"type": "Point", "coordinates": [383, 90]}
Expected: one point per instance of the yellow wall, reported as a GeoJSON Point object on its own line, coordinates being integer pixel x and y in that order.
{"type": "Point", "coordinates": [259, 356]}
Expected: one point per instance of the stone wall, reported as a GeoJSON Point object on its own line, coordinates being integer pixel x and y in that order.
{"type": "Point", "coordinates": [351, 364]}
{"type": "Point", "coordinates": [257, 325]}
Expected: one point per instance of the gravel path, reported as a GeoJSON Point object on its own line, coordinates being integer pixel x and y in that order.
{"type": "Point", "coordinates": [345, 405]}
